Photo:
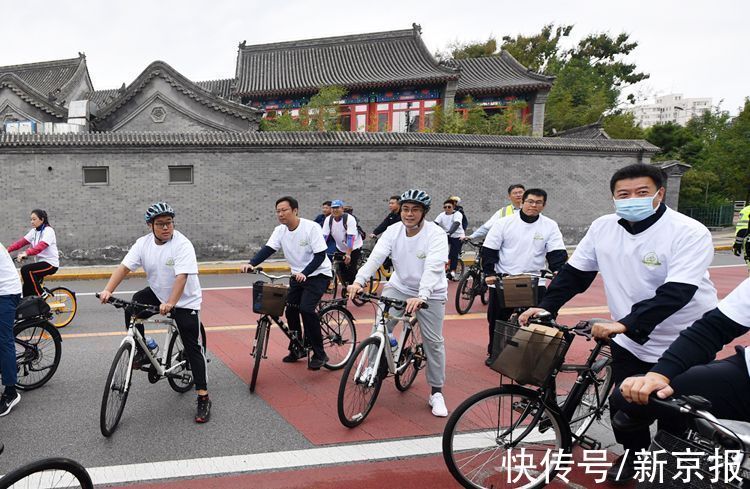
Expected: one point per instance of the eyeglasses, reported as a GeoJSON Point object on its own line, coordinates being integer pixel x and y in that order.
{"type": "Point", "coordinates": [534, 202]}
{"type": "Point", "coordinates": [164, 225]}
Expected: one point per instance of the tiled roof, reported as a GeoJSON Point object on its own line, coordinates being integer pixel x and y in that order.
{"type": "Point", "coordinates": [382, 59]}
{"type": "Point", "coordinates": [498, 74]}
{"type": "Point", "coordinates": [323, 139]}
{"type": "Point", "coordinates": [48, 76]}
{"type": "Point", "coordinates": [222, 88]}
{"type": "Point", "coordinates": [104, 97]}
{"type": "Point", "coordinates": [589, 131]}
{"type": "Point", "coordinates": [32, 96]}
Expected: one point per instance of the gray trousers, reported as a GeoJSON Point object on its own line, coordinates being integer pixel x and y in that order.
{"type": "Point", "coordinates": [431, 326]}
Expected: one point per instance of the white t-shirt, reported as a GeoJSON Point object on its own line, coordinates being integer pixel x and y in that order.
{"type": "Point", "coordinates": [675, 248]}
{"type": "Point", "coordinates": [162, 264]}
{"type": "Point", "coordinates": [446, 221]}
{"type": "Point", "coordinates": [523, 246]}
{"type": "Point", "coordinates": [10, 283]}
{"type": "Point", "coordinates": [300, 245]}
{"type": "Point", "coordinates": [334, 228]}
{"type": "Point", "coordinates": [47, 235]}
{"type": "Point", "coordinates": [418, 261]}
{"type": "Point", "coordinates": [736, 306]}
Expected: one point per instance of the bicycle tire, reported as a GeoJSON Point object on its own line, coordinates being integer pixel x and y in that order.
{"type": "Point", "coordinates": [120, 374]}
{"type": "Point", "coordinates": [592, 404]}
{"type": "Point", "coordinates": [480, 430]}
{"type": "Point", "coordinates": [460, 268]}
{"type": "Point", "coordinates": [413, 353]}
{"type": "Point", "coordinates": [339, 335]}
{"type": "Point", "coordinates": [38, 351]}
{"type": "Point", "coordinates": [353, 388]}
{"type": "Point", "coordinates": [466, 292]}
{"type": "Point", "coordinates": [66, 473]}
{"type": "Point", "coordinates": [181, 384]}
{"type": "Point", "coordinates": [63, 304]}
{"type": "Point", "coordinates": [261, 337]}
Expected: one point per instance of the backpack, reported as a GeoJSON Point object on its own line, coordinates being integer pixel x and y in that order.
{"type": "Point", "coordinates": [360, 231]}
{"type": "Point", "coordinates": [464, 219]}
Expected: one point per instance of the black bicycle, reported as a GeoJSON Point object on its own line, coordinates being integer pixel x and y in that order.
{"type": "Point", "coordinates": [38, 344]}
{"type": "Point", "coordinates": [338, 281]}
{"type": "Point", "coordinates": [336, 326]}
{"type": "Point", "coordinates": [48, 473]}
{"type": "Point", "coordinates": [500, 437]}
{"type": "Point", "coordinates": [471, 284]}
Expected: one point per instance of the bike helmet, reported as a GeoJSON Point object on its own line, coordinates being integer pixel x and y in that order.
{"type": "Point", "coordinates": [158, 209]}
{"type": "Point", "coordinates": [417, 196]}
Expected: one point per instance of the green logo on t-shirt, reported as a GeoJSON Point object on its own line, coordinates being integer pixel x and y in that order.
{"type": "Point", "coordinates": [421, 255]}
{"type": "Point", "coordinates": [303, 242]}
{"type": "Point", "coordinates": [538, 237]}
{"type": "Point", "coordinates": [651, 260]}
{"type": "Point", "coordinates": [170, 262]}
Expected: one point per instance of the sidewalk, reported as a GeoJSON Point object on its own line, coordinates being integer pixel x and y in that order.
{"type": "Point", "coordinates": [723, 240]}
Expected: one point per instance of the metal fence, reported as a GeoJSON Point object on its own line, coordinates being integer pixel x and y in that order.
{"type": "Point", "coordinates": [716, 216]}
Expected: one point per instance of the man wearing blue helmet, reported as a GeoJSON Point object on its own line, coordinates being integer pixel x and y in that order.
{"type": "Point", "coordinates": [168, 258]}
{"type": "Point", "coordinates": [419, 252]}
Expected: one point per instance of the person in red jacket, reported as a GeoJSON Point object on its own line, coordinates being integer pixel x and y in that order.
{"type": "Point", "coordinates": [42, 245]}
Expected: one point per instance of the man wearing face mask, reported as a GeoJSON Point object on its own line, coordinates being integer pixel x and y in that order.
{"type": "Point", "coordinates": [654, 263]}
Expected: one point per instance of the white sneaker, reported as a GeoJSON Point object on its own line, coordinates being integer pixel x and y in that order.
{"type": "Point", "coordinates": [438, 405]}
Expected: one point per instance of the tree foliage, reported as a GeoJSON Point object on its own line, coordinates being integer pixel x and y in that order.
{"type": "Point", "coordinates": [477, 121]}
{"type": "Point", "coordinates": [320, 114]}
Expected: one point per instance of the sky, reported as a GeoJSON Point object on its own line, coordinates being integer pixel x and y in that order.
{"type": "Point", "coordinates": [689, 47]}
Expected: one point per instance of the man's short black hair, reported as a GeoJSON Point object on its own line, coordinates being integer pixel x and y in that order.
{"type": "Point", "coordinates": [327, 202]}
{"type": "Point", "coordinates": [394, 197]}
{"type": "Point", "coordinates": [536, 191]}
{"type": "Point", "coordinates": [450, 201]}
{"type": "Point", "coordinates": [292, 202]}
{"type": "Point", "coordinates": [639, 170]}
{"type": "Point", "coordinates": [515, 186]}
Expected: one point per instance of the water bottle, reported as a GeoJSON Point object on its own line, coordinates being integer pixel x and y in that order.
{"type": "Point", "coordinates": [152, 345]}
{"type": "Point", "coordinates": [393, 341]}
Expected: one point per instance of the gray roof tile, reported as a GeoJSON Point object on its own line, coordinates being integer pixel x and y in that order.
{"type": "Point", "coordinates": [48, 76]}
{"type": "Point", "coordinates": [498, 74]}
{"type": "Point", "coordinates": [222, 88]}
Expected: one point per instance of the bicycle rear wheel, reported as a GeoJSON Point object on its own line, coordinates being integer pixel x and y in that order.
{"type": "Point", "coordinates": [466, 292]}
{"type": "Point", "coordinates": [339, 336]}
{"type": "Point", "coordinates": [494, 439]}
{"type": "Point", "coordinates": [175, 356]}
{"type": "Point", "coordinates": [460, 268]}
{"type": "Point", "coordinates": [115, 393]}
{"type": "Point", "coordinates": [38, 351]}
{"type": "Point", "coordinates": [360, 384]}
{"type": "Point", "coordinates": [259, 348]}
{"type": "Point", "coordinates": [593, 401]}
{"type": "Point", "coordinates": [63, 304]}
{"type": "Point", "coordinates": [48, 473]}
{"type": "Point", "coordinates": [412, 355]}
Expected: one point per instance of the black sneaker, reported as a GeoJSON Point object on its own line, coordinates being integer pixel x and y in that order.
{"type": "Point", "coordinates": [488, 361]}
{"type": "Point", "coordinates": [140, 360]}
{"type": "Point", "coordinates": [292, 357]}
{"type": "Point", "coordinates": [7, 403]}
{"type": "Point", "coordinates": [623, 469]}
{"type": "Point", "coordinates": [316, 363]}
{"type": "Point", "coordinates": [203, 411]}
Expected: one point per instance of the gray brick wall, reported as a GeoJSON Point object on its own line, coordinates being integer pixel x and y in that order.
{"type": "Point", "coordinates": [228, 211]}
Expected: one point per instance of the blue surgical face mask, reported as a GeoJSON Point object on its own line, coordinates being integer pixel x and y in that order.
{"type": "Point", "coordinates": [635, 209]}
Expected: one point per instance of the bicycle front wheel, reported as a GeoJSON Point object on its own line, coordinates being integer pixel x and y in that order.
{"type": "Point", "coordinates": [360, 384]}
{"type": "Point", "coordinates": [593, 401]}
{"type": "Point", "coordinates": [181, 379]}
{"type": "Point", "coordinates": [116, 391]}
{"type": "Point", "coordinates": [259, 347]}
{"type": "Point", "coordinates": [466, 292]}
{"type": "Point", "coordinates": [51, 473]}
{"type": "Point", "coordinates": [38, 351]}
{"type": "Point", "coordinates": [503, 438]}
{"type": "Point", "coordinates": [411, 360]}
{"type": "Point", "coordinates": [339, 336]}
{"type": "Point", "coordinates": [63, 305]}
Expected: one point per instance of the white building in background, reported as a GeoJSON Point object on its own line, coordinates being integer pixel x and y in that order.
{"type": "Point", "coordinates": [672, 107]}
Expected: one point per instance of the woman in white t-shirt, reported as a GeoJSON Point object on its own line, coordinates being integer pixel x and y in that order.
{"type": "Point", "coordinates": [451, 222]}
{"type": "Point", "coordinates": [42, 244]}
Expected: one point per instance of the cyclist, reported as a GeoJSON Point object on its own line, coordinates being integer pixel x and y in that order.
{"type": "Point", "coordinates": [342, 226]}
{"type": "Point", "coordinates": [394, 216]}
{"type": "Point", "coordinates": [10, 293]}
{"type": "Point", "coordinates": [305, 249]}
{"type": "Point", "coordinates": [168, 258]}
{"type": "Point", "coordinates": [450, 221]}
{"type": "Point", "coordinates": [520, 243]}
{"type": "Point", "coordinates": [42, 244]}
{"type": "Point", "coordinates": [325, 211]}
{"type": "Point", "coordinates": [688, 367]}
{"type": "Point", "coordinates": [419, 250]}
{"type": "Point", "coordinates": [654, 262]}
{"type": "Point", "coordinates": [515, 194]}
{"type": "Point", "coordinates": [742, 237]}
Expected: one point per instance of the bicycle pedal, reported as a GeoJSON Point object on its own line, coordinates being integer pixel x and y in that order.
{"type": "Point", "coordinates": [588, 443]}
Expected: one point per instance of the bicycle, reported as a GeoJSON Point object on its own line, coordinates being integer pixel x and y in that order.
{"type": "Point", "coordinates": [172, 364]}
{"type": "Point", "coordinates": [38, 345]}
{"type": "Point", "coordinates": [337, 265]}
{"type": "Point", "coordinates": [375, 359]}
{"type": "Point", "coordinates": [489, 428]}
{"type": "Point", "coordinates": [62, 302]}
{"type": "Point", "coordinates": [471, 284]}
{"type": "Point", "coordinates": [336, 327]}
{"type": "Point", "coordinates": [48, 473]}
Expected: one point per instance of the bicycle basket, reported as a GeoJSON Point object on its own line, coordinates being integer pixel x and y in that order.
{"type": "Point", "coordinates": [518, 291]}
{"type": "Point", "coordinates": [31, 307]}
{"type": "Point", "coordinates": [269, 299]}
{"type": "Point", "coordinates": [526, 354]}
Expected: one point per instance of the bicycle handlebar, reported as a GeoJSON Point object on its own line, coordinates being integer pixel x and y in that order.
{"type": "Point", "coordinates": [395, 303]}
{"type": "Point", "coordinates": [259, 270]}
{"type": "Point", "coordinates": [134, 307]}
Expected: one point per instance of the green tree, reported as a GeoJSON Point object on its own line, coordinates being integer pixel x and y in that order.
{"type": "Point", "coordinates": [622, 126]}
{"type": "Point", "coordinates": [320, 114]}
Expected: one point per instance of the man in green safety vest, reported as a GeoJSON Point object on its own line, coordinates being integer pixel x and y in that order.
{"type": "Point", "coordinates": [741, 235]}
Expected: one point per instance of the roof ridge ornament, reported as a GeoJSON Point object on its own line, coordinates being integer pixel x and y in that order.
{"type": "Point", "coordinates": [417, 28]}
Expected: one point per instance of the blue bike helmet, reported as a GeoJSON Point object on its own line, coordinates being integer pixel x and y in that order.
{"type": "Point", "coordinates": [158, 209]}
{"type": "Point", "coordinates": [416, 196]}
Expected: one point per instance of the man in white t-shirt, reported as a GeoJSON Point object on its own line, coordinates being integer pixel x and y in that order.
{"type": "Point", "coordinates": [418, 250]}
{"type": "Point", "coordinates": [688, 367]}
{"type": "Point", "coordinates": [450, 221]}
{"type": "Point", "coordinates": [168, 258]}
{"type": "Point", "coordinates": [654, 263]}
{"type": "Point", "coordinates": [515, 194]}
{"type": "Point", "coordinates": [342, 226]}
{"type": "Point", "coordinates": [523, 242]}
{"type": "Point", "coordinates": [10, 294]}
{"type": "Point", "coordinates": [305, 250]}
